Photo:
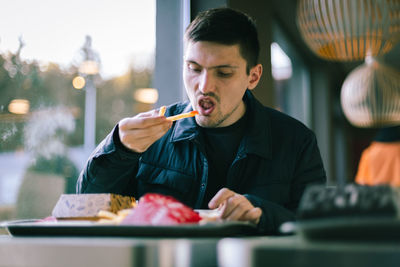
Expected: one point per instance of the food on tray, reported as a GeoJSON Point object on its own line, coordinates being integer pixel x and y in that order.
{"type": "Point", "coordinates": [106, 217]}
{"type": "Point", "coordinates": [47, 219]}
{"type": "Point", "coordinates": [210, 215]}
{"type": "Point", "coordinates": [160, 205]}
{"type": "Point", "coordinates": [152, 209]}
{"type": "Point", "coordinates": [87, 206]}
{"type": "Point", "coordinates": [156, 209]}
{"type": "Point", "coordinates": [183, 115]}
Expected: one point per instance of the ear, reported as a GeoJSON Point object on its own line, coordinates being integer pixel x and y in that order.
{"type": "Point", "coordinates": [254, 76]}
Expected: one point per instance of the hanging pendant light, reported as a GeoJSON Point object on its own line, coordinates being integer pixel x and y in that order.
{"type": "Point", "coordinates": [370, 95]}
{"type": "Point", "coordinates": [347, 30]}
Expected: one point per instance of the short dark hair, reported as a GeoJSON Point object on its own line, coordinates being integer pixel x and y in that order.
{"type": "Point", "coordinates": [229, 27]}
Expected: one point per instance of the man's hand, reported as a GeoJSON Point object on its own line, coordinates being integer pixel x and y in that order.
{"type": "Point", "coordinates": [235, 207]}
{"type": "Point", "coordinates": [140, 132]}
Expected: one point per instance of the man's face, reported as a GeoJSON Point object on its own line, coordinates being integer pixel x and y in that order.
{"type": "Point", "coordinates": [215, 79]}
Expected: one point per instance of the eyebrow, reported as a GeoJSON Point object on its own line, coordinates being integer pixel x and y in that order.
{"type": "Point", "coordinates": [214, 67]}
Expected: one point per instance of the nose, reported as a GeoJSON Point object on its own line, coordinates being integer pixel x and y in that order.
{"type": "Point", "coordinates": [206, 83]}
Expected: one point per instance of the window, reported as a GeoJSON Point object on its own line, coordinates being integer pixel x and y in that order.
{"type": "Point", "coordinates": [291, 78]}
{"type": "Point", "coordinates": [69, 71]}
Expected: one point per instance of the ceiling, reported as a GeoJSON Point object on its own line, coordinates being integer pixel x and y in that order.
{"type": "Point", "coordinates": [285, 12]}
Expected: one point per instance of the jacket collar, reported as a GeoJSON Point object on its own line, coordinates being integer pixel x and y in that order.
{"type": "Point", "coordinates": [185, 129]}
{"type": "Point", "coordinates": [257, 139]}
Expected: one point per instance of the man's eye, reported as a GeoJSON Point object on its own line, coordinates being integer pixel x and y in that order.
{"type": "Point", "coordinates": [194, 68]}
{"type": "Point", "coordinates": [224, 74]}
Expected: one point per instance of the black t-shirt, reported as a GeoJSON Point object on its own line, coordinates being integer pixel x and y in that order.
{"type": "Point", "coordinates": [221, 145]}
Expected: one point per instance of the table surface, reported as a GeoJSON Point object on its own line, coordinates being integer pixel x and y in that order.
{"type": "Point", "coordinates": [295, 251]}
{"type": "Point", "coordinates": [106, 251]}
{"type": "Point", "coordinates": [180, 252]}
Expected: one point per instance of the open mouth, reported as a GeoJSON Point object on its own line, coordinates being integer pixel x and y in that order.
{"type": "Point", "coordinates": [206, 105]}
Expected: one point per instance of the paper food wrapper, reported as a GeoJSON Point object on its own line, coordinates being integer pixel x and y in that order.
{"type": "Point", "coordinates": [88, 205]}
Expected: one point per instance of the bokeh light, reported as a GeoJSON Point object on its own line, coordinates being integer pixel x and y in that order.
{"type": "Point", "coordinates": [146, 95]}
{"type": "Point", "coordinates": [19, 106]}
{"type": "Point", "coordinates": [78, 82]}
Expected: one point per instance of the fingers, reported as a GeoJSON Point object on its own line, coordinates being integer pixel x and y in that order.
{"type": "Point", "coordinates": [244, 211]}
{"type": "Point", "coordinates": [141, 141]}
{"type": "Point", "coordinates": [139, 132]}
{"type": "Point", "coordinates": [141, 121]}
{"type": "Point", "coordinates": [252, 215]}
{"type": "Point", "coordinates": [235, 207]}
{"type": "Point", "coordinates": [220, 198]}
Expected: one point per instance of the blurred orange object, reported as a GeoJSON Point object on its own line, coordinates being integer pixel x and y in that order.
{"type": "Point", "coordinates": [380, 164]}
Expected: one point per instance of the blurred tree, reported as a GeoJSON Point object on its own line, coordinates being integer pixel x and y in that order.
{"type": "Point", "coordinates": [48, 88]}
{"type": "Point", "coordinates": [51, 86]}
{"type": "Point", "coordinates": [115, 99]}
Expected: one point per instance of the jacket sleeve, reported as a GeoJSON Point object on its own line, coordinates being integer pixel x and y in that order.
{"type": "Point", "coordinates": [309, 170]}
{"type": "Point", "coordinates": [110, 169]}
{"type": "Point", "coordinates": [273, 215]}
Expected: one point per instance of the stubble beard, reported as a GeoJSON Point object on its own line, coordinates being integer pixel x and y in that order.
{"type": "Point", "coordinates": [219, 120]}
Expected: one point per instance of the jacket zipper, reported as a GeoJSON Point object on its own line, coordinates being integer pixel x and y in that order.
{"type": "Point", "coordinates": [204, 177]}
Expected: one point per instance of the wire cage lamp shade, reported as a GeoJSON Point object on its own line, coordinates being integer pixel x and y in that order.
{"type": "Point", "coordinates": [370, 95]}
{"type": "Point", "coordinates": [349, 30]}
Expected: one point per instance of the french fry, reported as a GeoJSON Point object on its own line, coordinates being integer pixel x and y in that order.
{"type": "Point", "coordinates": [162, 111]}
{"type": "Point", "coordinates": [107, 217]}
{"type": "Point", "coordinates": [124, 213]}
{"type": "Point", "coordinates": [183, 115]}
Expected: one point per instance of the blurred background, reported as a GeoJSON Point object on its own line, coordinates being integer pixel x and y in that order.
{"type": "Point", "coordinates": [70, 70]}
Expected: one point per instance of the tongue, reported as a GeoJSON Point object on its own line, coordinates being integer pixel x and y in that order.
{"type": "Point", "coordinates": [206, 107]}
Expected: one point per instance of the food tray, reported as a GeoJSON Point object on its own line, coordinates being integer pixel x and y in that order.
{"type": "Point", "coordinates": [86, 228]}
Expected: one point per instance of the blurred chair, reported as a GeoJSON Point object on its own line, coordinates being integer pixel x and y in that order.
{"type": "Point", "coordinates": [38, 195]}
{"type": "Point", "coordinates": [7, 212]}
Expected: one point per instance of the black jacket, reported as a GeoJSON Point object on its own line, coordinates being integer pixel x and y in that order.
{"type": "Point", "coordinates": [277, 158]}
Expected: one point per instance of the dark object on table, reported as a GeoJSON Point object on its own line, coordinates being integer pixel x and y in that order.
{"type": "Point", "coordinates": [349, 201]}
{"type": "Point", "coordinates": [352, 212]}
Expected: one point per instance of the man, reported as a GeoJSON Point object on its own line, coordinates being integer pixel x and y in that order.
{"type": "Point", "coordinates": [251, 161]}
{"type": "Point", "coordinates": [380, 161]}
